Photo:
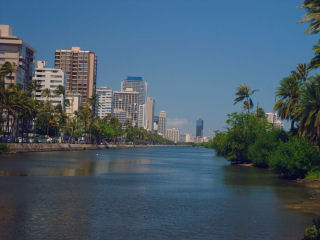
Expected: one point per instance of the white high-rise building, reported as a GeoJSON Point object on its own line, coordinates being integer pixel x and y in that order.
{"type": "Point", "coordinates": [149, 114]}
{"type": "Point", "coordinates": [104, 108]}
{"type": "Point", "coordinates": [49, 78]}
{"type": "Point", "coordinates": [137, 85]}
{"type": "Point", "coordinates": [162, 126]}
{"type": "Point", "coordinates": [142, 116]}
{"type": "Point", "coordinates": [173, 134]}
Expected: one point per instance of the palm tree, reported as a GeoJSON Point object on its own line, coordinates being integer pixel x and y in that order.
{"type": "Point", "coordinates": [309, 110]}
{"type": "Point", "coordinates": [244, 94]}
{"type": "Point", "coordinates": [289, 93]}
{"type": "Point", "coordinates": [7, 68]}
{"type": "Point", "coordinates": [46, 93]}
{"type": "Point", "coordinates": [301, 72]}
{"type": "Point", "coordinates": [312, 15]}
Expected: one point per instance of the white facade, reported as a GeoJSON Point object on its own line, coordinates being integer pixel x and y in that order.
{"type": "Point", "coordinates": [149, 114]}
{"type": "Point", "coordinates": [188, 138]}
{"type": "Point", "coordinates": [142, 116]}
{"type": "Point", "coordinates": [49, 78]}
{"type": "Point", "coordinates": [173, 134]}
{"type": "Point", "coordinates": [162, 126]}
{"type": "Point", "coordinates": [104, 107]}
{"type": "Point", "coordinates": [273, 119]}
{"type": "Point", "coordinates": [74, 100]}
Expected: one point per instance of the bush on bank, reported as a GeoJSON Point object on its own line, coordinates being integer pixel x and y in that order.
{"type": "Point", "coordinates": [295, 158]}
{"type": "Point", "coordinates": [266, 143]}
{"type": "Point", "coordinates": [250, 139]}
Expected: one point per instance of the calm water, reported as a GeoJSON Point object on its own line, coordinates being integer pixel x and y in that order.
{"type": "Point", "coordinates": [151, 193]}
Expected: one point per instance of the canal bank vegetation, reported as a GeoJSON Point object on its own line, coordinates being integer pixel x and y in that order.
{"type": "Point", "coordinates": [249, 138]}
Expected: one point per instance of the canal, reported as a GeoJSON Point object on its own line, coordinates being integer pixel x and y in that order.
{"type": "Point", "coordinates": [144, 193]}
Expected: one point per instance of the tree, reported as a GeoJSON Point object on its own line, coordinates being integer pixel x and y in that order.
{"type": "Point", "coordinates": [309, 110]}
{"type": "Point", "coordinates": [301, 72]}
{"type": "Point", "coordinates": [244, 94]}
{"type": "Point", "coordinates": [289, 93]}
{"type": "Point", "coordinates": [313, 15]}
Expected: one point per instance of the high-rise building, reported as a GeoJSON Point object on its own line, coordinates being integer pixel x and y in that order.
{"type": "Point", "coordinates": [199, 128]}
{"type": "Point", "coordinates": [138, 85]}
{"type": "Point", "coordinates": [173, 134]}
{"type": "Point", "coordinates": [162, 123]}
{"type": "Point", "coordinates": [105, 96]}
{"type": "Point", "coordinates": [142, 116]}
{"type": "Point", "coordinates": [17, 51]}
{"type": "Point", "coordinates": [125, 106]}
{"type": "Point", "coordinates": [80, 68]}
{"type": "Point", "coordinates": [49, 78]}
{"type": "Point", "coordinates": [149, 114]}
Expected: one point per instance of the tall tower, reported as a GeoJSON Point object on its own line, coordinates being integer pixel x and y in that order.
{"type": "Point", "coordinates": [137, 85]}
{"type": "Point", "coordinates": [80, 68]}
{"type": "Point", "coordinates": [17, 51]}
{"type": "Point", "coordinates": [199, 128]}
{"type": "Point", "coordinates": [149, 113]}
{"type": "Point", "coordinates": [162, 123]}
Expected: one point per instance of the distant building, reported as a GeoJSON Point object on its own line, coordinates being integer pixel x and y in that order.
{"type": "Point", "coordinates": [149, 114]}
{"type": "Point", "coordinates": [137, 85]}
{"type": "Point", "coordinates": [17, 51]}
{"type": "Point", "coordinates": [155, 124]}
{"type": "Point", "coordinates": [49, 78]}
{"type": "Point", "coordinates": [125, 106]}
{"type": "Point", "coordinates": [173, 134]}
{"type": "Point", "coordinates": [162, 123]}
{"type": "Point", "coordinates": [142, 116]}
{"type": "Point", "coordinates": [199, 128]}
{"type": "Point", "coordinates": [104, 97]}
{"type": "Point", "coordinates": [188, 138]}
{"type": "Point", "coordinates": [80, 68]}
{"type": "Point", "coordinates": [74, 103]}
{"type": "Point", "coordinates": [273, 119]}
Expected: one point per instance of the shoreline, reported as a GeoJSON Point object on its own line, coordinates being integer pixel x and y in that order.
{"type": "Point", "coordinates": [52, 147]}
{"type": "Point", "coordinates": [310, 205]}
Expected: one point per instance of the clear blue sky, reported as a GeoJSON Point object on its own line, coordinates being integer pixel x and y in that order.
{"type": "Point", "coordinates": [192, 53]}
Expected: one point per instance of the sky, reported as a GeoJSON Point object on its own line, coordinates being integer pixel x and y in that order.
{"type": "Point", "coordinates": [193, 53]}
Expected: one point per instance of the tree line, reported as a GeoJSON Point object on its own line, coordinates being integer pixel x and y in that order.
{"type": "Point", "coordinates": [22, 115]}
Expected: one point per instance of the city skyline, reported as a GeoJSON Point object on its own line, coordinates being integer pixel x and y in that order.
{"type": "Point", "coordinates": [184, 45]}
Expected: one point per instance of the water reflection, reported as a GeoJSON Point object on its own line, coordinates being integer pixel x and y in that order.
{"type": "Point", "coordinates": [69, 164]}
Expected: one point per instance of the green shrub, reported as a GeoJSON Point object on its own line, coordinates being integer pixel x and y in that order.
{"type": "Point", "coordinates": [267, 142]}
{"type": "Point", "coordinates": [242, 131]}
{"type": "Point", "coordinates": [295, 158]}
{"type": "Point", "coordinates": [313, 232]}
{"type": "Point", "coordinates": [4, 148]}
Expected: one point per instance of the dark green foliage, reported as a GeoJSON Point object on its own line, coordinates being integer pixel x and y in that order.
{"type": "Point", "coordinates": [242, 131]}
{"type": "Point", "coordinates": [267, 142]}
{"type": "Point", "coordinates": [4, 148]}
{"type": "Point", "coordinates": [295, 158]}
{"type": "Point", "coordinates": [313, 232]}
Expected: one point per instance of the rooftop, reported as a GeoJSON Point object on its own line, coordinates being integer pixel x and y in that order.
{"type": "Point", "coordinates": [132, 78]}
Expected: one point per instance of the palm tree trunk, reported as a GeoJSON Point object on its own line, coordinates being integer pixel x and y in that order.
{"type": "Point", "coordinates": [292, 126]}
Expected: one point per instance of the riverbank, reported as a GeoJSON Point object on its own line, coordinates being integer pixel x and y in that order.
{"type": "Point", "coordinates": [44, 147]}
